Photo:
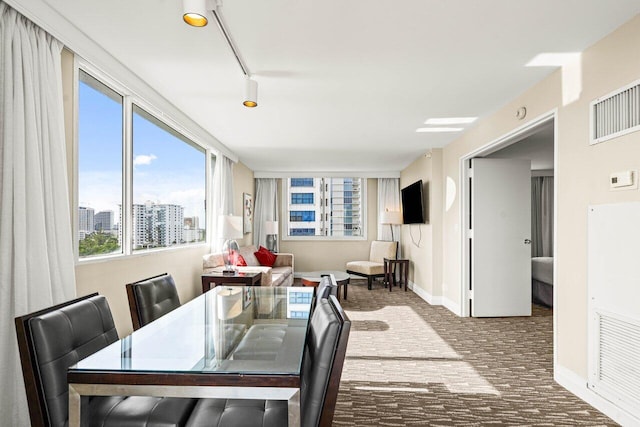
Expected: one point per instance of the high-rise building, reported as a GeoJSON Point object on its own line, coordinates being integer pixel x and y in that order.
{"type": "Point", "coordinates": [166, 224]}
{"type": "Point", "coordinates": [344, 206]}
{"type": "Point", "coordinates": [103, 221]}
{"type": "Point", "coordinates": [156, 225]}
{"type": "Point", "coordinates": [193, 235]}
{"type": "Point", "coordinates": [324, 207]}
{"type": "Point", "coordinates": [305, 207]}
{"type": "Point", "coordinates": [85, 221]}
{"type": "Point", "coordinates": [192, 222]}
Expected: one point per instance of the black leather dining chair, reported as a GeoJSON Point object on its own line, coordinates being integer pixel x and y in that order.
{"type": "Point", "coordinates": [151, 298]}
{"type": "Point", "coordinates": [326, 287]}
{"type": "Point", "coordinates": [323, 359]}
{"type": "Point", "coordinates": [52, 340]}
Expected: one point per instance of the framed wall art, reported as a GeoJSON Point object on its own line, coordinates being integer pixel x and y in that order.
{"type": "Point", "coordinates": [247, 212]}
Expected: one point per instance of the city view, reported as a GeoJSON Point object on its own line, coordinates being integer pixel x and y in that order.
{"type": "Point", "coordinates": [154, 225]}
{"type": "Point", "coordinates": [167, 177]}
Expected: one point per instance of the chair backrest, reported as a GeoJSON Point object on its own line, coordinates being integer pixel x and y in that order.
{"type": "Point", "coordinates": [322, 363]}
{"type": "Point", "coordinates": [151, 298]}
{"type": "Point", "coordinates": [382, 249]}
{"type": "Point", "coordinates": [53, 339]}
{"type": "Point", "coordinates": [327, 286]}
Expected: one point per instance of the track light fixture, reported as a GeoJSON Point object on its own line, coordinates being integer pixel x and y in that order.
{"type": "Point", "coordinates": [195, 14]}
{"type": "Point", "coordinates": [251, 93]}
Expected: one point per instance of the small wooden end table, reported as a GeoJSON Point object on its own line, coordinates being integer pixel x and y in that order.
{"type": "Point", "coordinates": [215, 279]}
{"type": "Point", "coordinates": [390, 266]}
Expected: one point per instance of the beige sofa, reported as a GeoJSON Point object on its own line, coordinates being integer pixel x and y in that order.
{"type": "Point", "coordinates": [281, 274]}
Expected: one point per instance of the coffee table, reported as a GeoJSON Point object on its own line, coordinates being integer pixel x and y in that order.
{"type": "Point", "coordinates": [313, 278]}
{"type": "Point", "coordinates": [215, 279]}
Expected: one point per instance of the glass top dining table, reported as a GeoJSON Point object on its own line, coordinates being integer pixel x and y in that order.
{"type": "Point", "coordinates": [230, 342]}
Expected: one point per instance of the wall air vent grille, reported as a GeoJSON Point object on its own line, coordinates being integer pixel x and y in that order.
{"type": "Point", "coordinates": [618, 360]}
{"type": "Point", "coordinates": [616, 114]}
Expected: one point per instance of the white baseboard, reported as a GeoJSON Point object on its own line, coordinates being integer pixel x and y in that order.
{"type": "Point", "coordinates": [424, 294]}
{"type": "Point", "coordinates": [452, 306]}
{"type": "Point", "coordinates": [435, 300]}
{"type": "Point", "coordinates": [578, 386]}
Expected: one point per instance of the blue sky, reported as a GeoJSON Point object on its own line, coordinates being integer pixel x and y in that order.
{"type": "Point", "coordinates": [166, 170]}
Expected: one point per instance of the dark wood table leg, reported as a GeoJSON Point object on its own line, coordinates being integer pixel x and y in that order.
{"type": "Point", "coordinates": [387, 273]}
{"type": "Point", "coordinates": [392, 273]}
{"type": "Point", "coordinates": [406, 275]}
{"type": "Point", "coordinates": [206, 283]}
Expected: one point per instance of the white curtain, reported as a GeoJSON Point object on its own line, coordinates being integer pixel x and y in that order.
{"type": "Point", "coordinates": [389, 199]}
{"type": "Point", "coordinates": [36, 246]}
{"type": "Point", "coordinates": [265, 208]}
{"type": "Point", "coordinates": [542, 216]}
{"type": "Point", "coordinates": [222, 197]}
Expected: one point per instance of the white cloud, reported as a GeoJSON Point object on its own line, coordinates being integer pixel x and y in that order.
{"type": "Point", "coordinates": [143, 159]}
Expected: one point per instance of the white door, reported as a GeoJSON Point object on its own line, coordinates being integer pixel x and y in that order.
{"type": "Point", "coordinates": [500, 245]}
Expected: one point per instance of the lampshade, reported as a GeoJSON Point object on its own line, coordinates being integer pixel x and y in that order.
{"type": "Point", "coordinates": [391, 217]}
{"type": "Point", "coordinates": [271, 227]}
{"type": "Point", "coordinates": [230, 226]}
{"type": "Point", "coordinates": [195, 12]}
{"type": "Point", "coordinates": [251, 93]}
{"type": "Point", "coordinates": [229, 303]}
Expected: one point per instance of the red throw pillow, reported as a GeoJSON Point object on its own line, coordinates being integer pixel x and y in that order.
{"type": "Point", "coordinates": [265, 257]}
{"type": "Point", "coordinates": [240, 262]}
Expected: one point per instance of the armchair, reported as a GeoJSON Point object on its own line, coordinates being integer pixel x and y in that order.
{"type": "Point", "coordinates": [374, 266]}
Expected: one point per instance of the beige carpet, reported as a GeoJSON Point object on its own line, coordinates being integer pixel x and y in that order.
{"type": "Point", "coordinates": [412, 364]}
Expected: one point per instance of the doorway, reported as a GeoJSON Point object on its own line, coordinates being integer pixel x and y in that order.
{"type": "Point", "coordinates": [546, 125]}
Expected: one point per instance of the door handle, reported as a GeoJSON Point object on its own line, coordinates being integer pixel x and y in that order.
{"type": "Point", "coordinates": [527, 241]}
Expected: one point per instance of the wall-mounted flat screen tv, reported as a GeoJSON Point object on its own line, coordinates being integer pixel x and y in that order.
{"type": "Point", "coordinates": [412, 206]}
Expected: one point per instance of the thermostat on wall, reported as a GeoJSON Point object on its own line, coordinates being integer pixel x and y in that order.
{"type": "Point", "coordinates": [625, 180]}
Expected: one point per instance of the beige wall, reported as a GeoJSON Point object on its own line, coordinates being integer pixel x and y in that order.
{"type": "Point", "coordinates": [313, 255]}
{"type": "Point", "coordinates": [582, 177]}
{"type": "Point", "coordinates": [243, 182]}
{"type": "Point", "coordinates": [422, 243]}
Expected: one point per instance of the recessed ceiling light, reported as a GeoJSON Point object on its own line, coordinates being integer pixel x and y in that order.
{"type": "Point", "coordinates": [553, 59]}
{"type": "Point", "coordinates": [439, 129]}
{"type": "Point", "coordinates": [450, 121]}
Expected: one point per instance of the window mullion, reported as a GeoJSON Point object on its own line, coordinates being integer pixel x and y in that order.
{"type": "Point", "coordinates": [210, 164]}
{"type": "Point", "coordinates": [323, 202]}
{"type": "Point", "coordinates": [127, 178]}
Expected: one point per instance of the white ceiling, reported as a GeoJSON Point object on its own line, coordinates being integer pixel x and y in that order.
{"type": "Point", "coordinates": [343, 85]}
{"type": "Point", "coordinates": [537, 147]}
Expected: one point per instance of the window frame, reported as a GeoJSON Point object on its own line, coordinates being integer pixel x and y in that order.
{"type": "Point", "coordinates": [129, 99]}
{"type": "Point", "coordinates": [286, 212]}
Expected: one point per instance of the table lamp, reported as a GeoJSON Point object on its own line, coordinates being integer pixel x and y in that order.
{"type": "Point", "coordinates": [392, 218]}
{"type": "Point", "coordinates": [271, 230]}
{"type": "Point", "coordinates": [229, 303]}
{"type": "Point", "coordinates": [230, 227]}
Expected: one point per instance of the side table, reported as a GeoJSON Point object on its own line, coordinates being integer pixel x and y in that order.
{"type": "Point", "coordinates": [390, 267]}
{"type": "Point", "coordinates": [211, 280]}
